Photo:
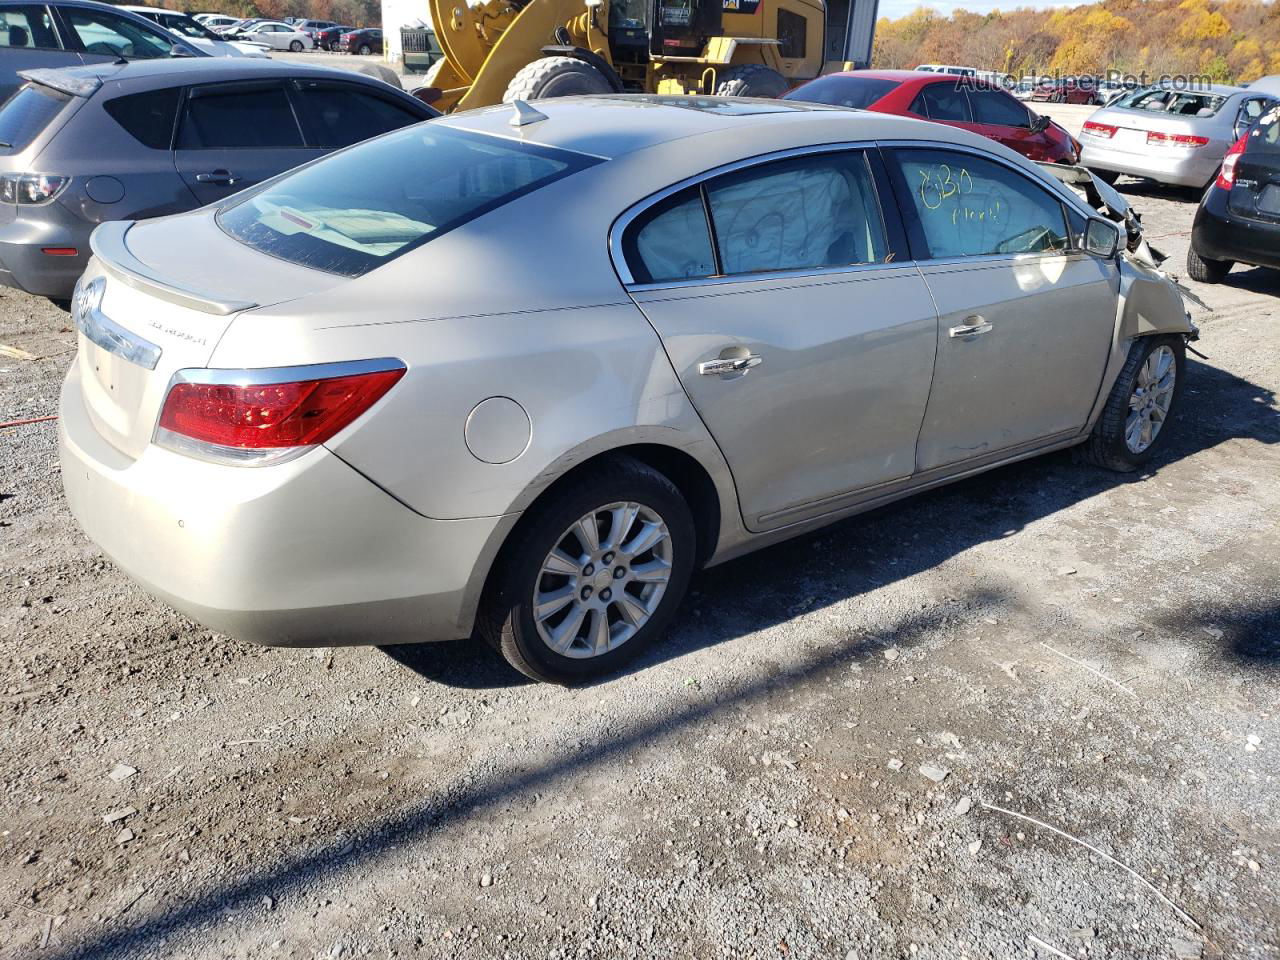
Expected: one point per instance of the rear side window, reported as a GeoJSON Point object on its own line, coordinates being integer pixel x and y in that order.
{"type": "Point", "coordinates": [995, 106]}
{"type": "Point", "coordinates": [147, 117]}
{"type": "Point", "coordinates": [339, 114]}
{"type": "Point", "coordinates": [858, 92]}
{"type": "Point", "coordinates": [238, 117]}
{"type": "Point", "coordinates": [27, 27]}
{"type": "Point", "coordinates": [943, 101]}
{"type": "Point", "coordinates": [28, 112]}
{"type": "Point", "coordinates": [358, 209]}
{"type": "Point", "coordinates": [967, 206]}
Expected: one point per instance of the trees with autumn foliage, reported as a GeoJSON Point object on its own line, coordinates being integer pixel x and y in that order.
{"type": "Point", "coordinates": [1229, 40]}
{"type": "Point", "coordinates": [356, 13]}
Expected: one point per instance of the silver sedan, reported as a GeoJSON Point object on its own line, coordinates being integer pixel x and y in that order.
{"type": "Point", "coordinates": [520, 371]}
{"type": "Point", "coordinates": [1169, 135]}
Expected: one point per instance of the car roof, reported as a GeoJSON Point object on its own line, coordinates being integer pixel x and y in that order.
{"type": "Point", "coordinates": [917, 77]}
{"type": "Point", "coordinates": [612, 125]}
{"type": "Point", "coordinates": [206, 69]}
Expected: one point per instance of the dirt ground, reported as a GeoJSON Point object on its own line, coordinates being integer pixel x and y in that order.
{"type": "Point", "coordinates": [1034, 714]}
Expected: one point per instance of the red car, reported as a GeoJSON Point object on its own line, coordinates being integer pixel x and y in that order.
{"type": "Point", "coordinates": [1067, 90]}
{"type": "Point", "coordinates": [956, 101]}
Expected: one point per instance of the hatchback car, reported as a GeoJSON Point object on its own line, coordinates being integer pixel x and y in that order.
{"type": "Point", "coordinates": [968, 104]}
{"type": "Point", "coordinates": [88, 144]}
{"type": "Point", "coordinates": [70, 33]}
{"type": "Point", "coordinates": [1239, 216]}
{"type": "Point", "coordinates": [1173, 136]}
{"type": "Point", "coordinates": [362, 42]}
{"type": "Point", "coordinates": [312, 415]}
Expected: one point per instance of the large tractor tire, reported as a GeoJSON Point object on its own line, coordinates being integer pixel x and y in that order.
{"type": "Point", "coordinates": [380, 71]}
{"type": "Point", "coordinates": [556, 77]}
{"type": "Point", "coordinates": [751, 80]}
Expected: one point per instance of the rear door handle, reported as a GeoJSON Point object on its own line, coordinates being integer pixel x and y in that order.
{"type": "Point", "coordinates": [221, 177]}
{"type": "Point", "coordinates": [711, 368]}
{"type": "Point", "coordinates": [972, 327]}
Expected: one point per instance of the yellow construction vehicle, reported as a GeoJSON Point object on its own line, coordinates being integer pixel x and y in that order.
{"type": "Point", "coordinates": [504, 50]}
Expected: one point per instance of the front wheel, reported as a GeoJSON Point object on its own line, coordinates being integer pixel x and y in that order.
{"type": "Point", "coordinates": [1141, 407]}
{"type": "Point", "coordinates": [364, 50]}
{"type": "Point", "coordinates": [594, 577]}
{"type": "Point", "coordinates": [295, 46]}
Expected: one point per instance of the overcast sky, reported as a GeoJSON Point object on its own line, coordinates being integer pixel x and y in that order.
{"type": "Point", "coordinates": [897, 8]}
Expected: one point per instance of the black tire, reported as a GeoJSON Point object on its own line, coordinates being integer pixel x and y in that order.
{"type": "Point", "coordinates": [1205, 270]}
{"type": "Point", "coordinates": [1106, 446]}
{"type": "Point", "coordinates": [751, 80]}
{"type": "Point", "coordinates": [556, 77]}
{"type": "Point", "coordinates": [1108, 177]}
{"type": "Point", "coordinates": [381, 71]}
{"type": "Point", "coordinates": [364, 50]}
{"type": "Point", "coordinates": [506, 611]}
{"type": "Point", "coordinates": [295, 46]}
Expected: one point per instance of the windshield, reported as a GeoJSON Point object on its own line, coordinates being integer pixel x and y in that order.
{"type": "Point", "coordinates": [360, 208]}
{"type": "Point", "coordinates": [858, 92]}
{"type": "Point", "coordinates": [1185, 103]}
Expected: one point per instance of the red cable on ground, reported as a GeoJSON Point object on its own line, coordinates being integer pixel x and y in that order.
{"type": "Point", "coordinates": [23, 423]}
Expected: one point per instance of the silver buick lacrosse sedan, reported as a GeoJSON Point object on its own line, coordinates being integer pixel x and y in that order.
{"type": "Point", "coordinates": [519, 371]}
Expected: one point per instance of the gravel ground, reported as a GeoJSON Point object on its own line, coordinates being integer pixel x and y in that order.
{"type": "Point", "coordinates": [875, 742]}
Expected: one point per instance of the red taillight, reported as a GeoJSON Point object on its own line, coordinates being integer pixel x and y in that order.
{"type": "Point", "coordinates": [1227, 175]}
{"type": "Point", "coordinates": [1157, 139]}
{"type": "Point", "coordinates": [1099, 129]}
{"type": "Point", "coordinates": [244, 414]}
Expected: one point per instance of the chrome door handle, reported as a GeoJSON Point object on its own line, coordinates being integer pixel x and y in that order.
{"type": "Point", "coordinates": [723, 365]}
{"type": "Point", "coordinates": [972, 327]}
{"type": "Point", "coordinates": [222, 177]}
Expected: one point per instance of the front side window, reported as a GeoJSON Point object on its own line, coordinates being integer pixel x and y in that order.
{"type": "Point", "coordinates": [28, 27]}
{"type": "Point", "coordinates": [107, 34]}
{"type": "Point", "coordinates": [943, 101]}
{"type": "Point", "coordinates": [997, 107]}
{"type": "Point", "coordinates": [801, 213]}
{"type": "Point", "coordinates": [358, 209]}
{"type": "Point", "coordinates": [238, 117]}
{"type": "Point", "coordinates": [967, 206]}
{"type": "Point", "coordinates": [339, 114]}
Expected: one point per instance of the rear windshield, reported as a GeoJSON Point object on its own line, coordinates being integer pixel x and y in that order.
{"type": "Point", "coordinates": [858, 92]}
{"type": "Point", "coordinates": [1185, 103]}
{"type": "Point", "coordinates": [26, 113]}
{"type": "Point", "coordinates": [358, 209]}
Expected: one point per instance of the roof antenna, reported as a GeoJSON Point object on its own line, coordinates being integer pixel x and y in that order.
{"type": "Point", "coordinates": [524, 114]}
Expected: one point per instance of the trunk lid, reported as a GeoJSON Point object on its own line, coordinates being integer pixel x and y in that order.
{"type": "Point", "coordinates": [162, 308]}
{"type": "Point", "coordinates": [1256, 192]}
{"type": "Point", "coordinates": [1134, 125]}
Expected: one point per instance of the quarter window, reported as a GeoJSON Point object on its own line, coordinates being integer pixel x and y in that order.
{"type": "Point", "coordinates": [967, 206]}
{"type": "Point", "coordinates": [670, 240]}
{"type": "Point", "coordinates": [806, 212]}
{"type": "Point", "coordinates": [148, 117]}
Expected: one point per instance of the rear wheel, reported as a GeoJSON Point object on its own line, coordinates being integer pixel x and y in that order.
{"type": "Point", "coordinates": [364, 50]}
{"type": "Point", "coordinates": [1206, 270]}
{"type": "Point", "coordinates": [556, 77]}
{"type": "Point", "coordinates": [751, 80]}
{"type": "Point", "coordinates": [594, 577]}
{"type": "Point", "coordinates": [1137, 418]}
{"type": "Point", "coordinates": [295, 46]}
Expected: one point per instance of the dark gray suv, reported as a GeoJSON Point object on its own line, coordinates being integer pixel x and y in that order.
{"type": "Point", "coordinates": [83, 145]}
{"type": "Point", "coordinates": [68, 33]}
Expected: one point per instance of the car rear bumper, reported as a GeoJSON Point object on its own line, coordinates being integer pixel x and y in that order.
{"type": "Point", "coordinates": [1219, 234]}
{"type": "Point", "coordinates": [305, 553]}
{"type": "Point", "coordinates": [1177, 167]}
{"type": "Point", "coordinates": [25, 266]}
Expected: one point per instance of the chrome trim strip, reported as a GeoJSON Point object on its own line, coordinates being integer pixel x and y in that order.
{"type": "Point", "coordinates": [108, 244]}
{"type": "Point", "coordinates": [636, 209]}
{"type": "Point", "coordinates": [260, 376]}
{"type": "Point", "coordinates": [851, 271]}
{"type": "Point", "coordinates": [100, 329]}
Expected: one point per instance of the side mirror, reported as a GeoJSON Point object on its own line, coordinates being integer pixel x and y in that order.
{"type": "Point", "coordinates": [1102, 239]}
{"type": "Point", "coordinates": [1039, 123]}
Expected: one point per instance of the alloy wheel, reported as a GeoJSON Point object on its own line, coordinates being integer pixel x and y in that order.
{"type": "Point", "coordinates": [603, 580]}
{"type": "Point", "coordinates": [1152, 396]}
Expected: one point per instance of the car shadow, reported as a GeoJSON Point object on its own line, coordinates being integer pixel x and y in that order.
{"type": "Point", "coordinates": [1142, 187]}
{"type": "Point", "coordinates": [857, 555]}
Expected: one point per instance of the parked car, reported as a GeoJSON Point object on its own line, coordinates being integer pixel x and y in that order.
{"type": "Point", "coordinates": [232, 30]}
{"type": "Point", "coordinates": [90, 144]}
{"type": "Point", "coordinates": [198, 34]}
{"type": "Point", "coordinates": [1238, 220]}
{"type": "Point", "coordinates": [327, 39]}
{"type": "Point", "coordinates": [1066, 90]}
{"type": "Point", "coordinates": [277, 35]}
{"type": "Point", "coordinates": [363, 42]}
{"type": "Point", "coordinates": [215, 20]}
{"type": "Point", "coordinates": [1176, 137]}
{"type": "Point", "coordinates": [1022, 90]}
{"type": "Point", "coordinates": [970, 105]}
{"type": "Point", "coordinates": [548, 452]}
{"type": "Point", "coordinates": [309, 26]}
{"type": "Point", "coordinates": [74, 32]}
